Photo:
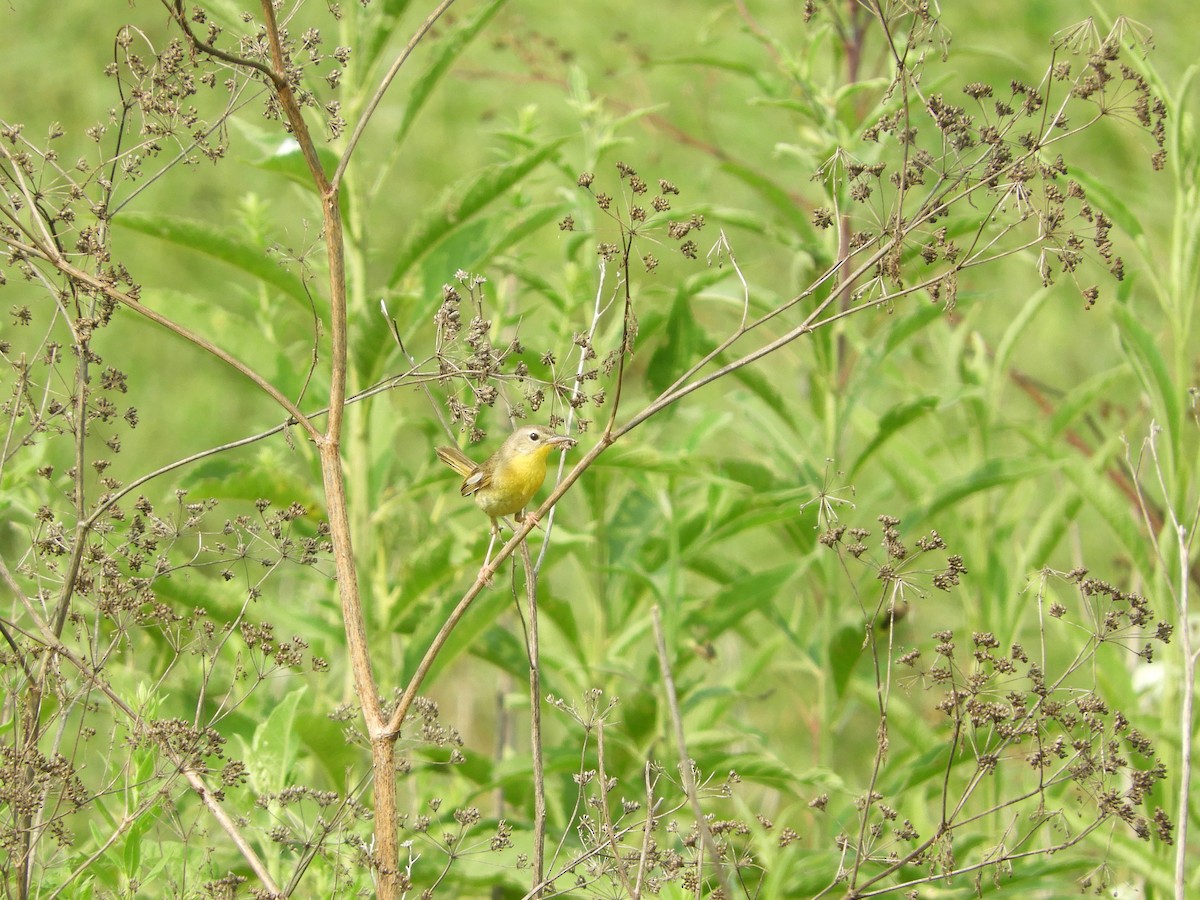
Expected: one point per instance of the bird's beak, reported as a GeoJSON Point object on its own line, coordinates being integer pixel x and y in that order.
{"type": "Point", "coordinates": [561, 440]}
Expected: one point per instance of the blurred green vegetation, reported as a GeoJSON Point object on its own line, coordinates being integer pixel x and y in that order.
{"type": "Point", "coordinates": [970, 422]}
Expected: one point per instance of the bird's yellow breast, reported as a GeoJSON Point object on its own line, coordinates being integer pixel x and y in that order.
{"type": "Point", "coordinates": [513, 483]}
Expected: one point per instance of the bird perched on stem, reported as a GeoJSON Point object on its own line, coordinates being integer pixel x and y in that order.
{"type": "Point", "coordinates": [505, 482]}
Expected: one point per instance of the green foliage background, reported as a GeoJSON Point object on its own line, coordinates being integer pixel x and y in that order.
{"type": "Point", "coordinates": [710, 511]}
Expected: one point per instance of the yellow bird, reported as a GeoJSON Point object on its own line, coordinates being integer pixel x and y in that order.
{"type": "Point", "coordinates": [506, 481]}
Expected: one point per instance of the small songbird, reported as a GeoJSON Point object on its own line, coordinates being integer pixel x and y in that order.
{"type": "Point", "coordinates": [505, 482]}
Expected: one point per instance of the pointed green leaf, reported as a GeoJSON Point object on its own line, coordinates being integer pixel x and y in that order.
{"type": "Point", "coordinates": [1110, 201]}
{"type": "Point", "coordinates": [445, 52]}
{"type": "Point", "coordinates": [730, 607]}
{"type": "Point", "coordinates": [1142, 350]}
{"type": "Point", "coordinates": [776, 195]}
{"type": "Point", "coordinates": [892, 421]}
{"type": "Point", "coordinates": [1083, 397]}
{"type": "Point", "coordinates": [1115, 508]}
{"type": "Point", "coordinates": [991, 474]}
{"type": "Point", "coordinates": [289, 162]}
{"type": "Point", "coordinates": [220, 245]}
{"type": "Point", "coordinates": [845, 650]}
{"type": "Point", "coordinates": [462, 203]}
{"type": "Point", "coordinates": [764, 389]}
{"type": "Point", "coordinates": [1013, 333]}
{"type": "Point", "coordinates": [385, 17]}
{"type": "Point", "coordinates": [272, 751]}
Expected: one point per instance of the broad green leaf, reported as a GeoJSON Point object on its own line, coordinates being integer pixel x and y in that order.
{"type": "Point", "coordinates": [761, 768]}
{"type": "Point", "coordinates": [504, 650]}
{"type": "Point", "coordinates": [901, 776]}
{"type": "Point", "coordinates": [486, 608]}
{"type": "Point", "coordinates": [759, 384]}
{"type": "Point", "coordinates": [512, 233]}
{"type": "Point", "coordinates": [203, 238]}
{"type": "Point", "coordinates": [845, 650]}
{"type": "Point", "coordinates": [272, 751]}
{"type": "Point", "coordinates": [750, 472]}
{"type": "Point", "coordinates": [462, 203]}
{"type": "Point", "coordinates": [288, 161]}
{"type": "Point", "coordinates": [266, 475]}
{"type": "Point", "coordinates": [684, 340]}
{"type": "Point", "coordinates": [899, 332]}
{"type": "Point", "coordinates": [535, 280]}
{"type": "Point", "coordinates": [680, 346]}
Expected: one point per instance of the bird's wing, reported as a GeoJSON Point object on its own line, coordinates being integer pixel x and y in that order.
{"type": "Point", "coordinates": [476, 481]}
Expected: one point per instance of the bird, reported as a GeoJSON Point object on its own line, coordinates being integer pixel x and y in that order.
{"type": "Point", "coordinates": [504, 483]}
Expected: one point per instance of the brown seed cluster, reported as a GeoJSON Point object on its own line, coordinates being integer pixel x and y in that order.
{"type": "Point", "coordinates": [1029, 717]}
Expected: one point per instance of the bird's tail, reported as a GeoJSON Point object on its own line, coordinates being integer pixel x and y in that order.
{"type": "Point", "coordinates": [457, 460]}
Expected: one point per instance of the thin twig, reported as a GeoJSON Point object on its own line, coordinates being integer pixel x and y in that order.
{"type": "Point", "coordinates": [606, 813]}
{"type": "Point", "coordinates": [535, 723]}
{"type": "Point", "coordinates": [195, 779]}
{"type": "Point", "coordinates": [686, 766]}
{"type": "Point", "coordinates": [647, 834]}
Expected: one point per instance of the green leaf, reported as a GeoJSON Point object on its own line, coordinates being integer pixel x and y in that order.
{"type": "Point", "coordinates": [789, 207]}
{"type": "Point", "coordinates": [514, 232]}
{"type": "Point", "coordinates": [892, 421]}
{"type": "Point", "coordinates": [730, 607]}
{"type": "Point", "coordinates": [204, 238]}
{"type": "Point", "coordinates": [446, 51]}
{"type": "Point", "coordinates": [485, 610]}
{"type": "Point", "coordinates": [272, 751]}
{"type": "Point", "coordinates": [920, 769]}
{"type": "Point", "coordinates": [761, 386]}
{"type": "Point", "coordinates": [1083, 397]}
{"type": "Point", "coordinates": [991, 474]}
{"type": "Point", "coordinates": [1109, 201]}
{"type": "Point", "coordinates": [267, 475]}
{"type": "Point", "coordinates": [1141, 349]}
{"type": "Point", "coordinates": [909, 325]}
{"type": "Point", "coordinates": [757, 73]}
{"type": "Point", "coordinates": [1013, 332]}
{"type": "Point", "coordinates": [502, 649]}
{"type": "Point", "coordinates": [679, 345]}
{"type": "Point", "coordinates": [533, 278]}
{"type": "Point", "coordinates": [845, 650]}
{"type": "Point", "coordinates": [387, 17]}
{"type": "Point", "coordinates": [1116, 509]}
{"type": "Point", "coordinates": [289, 162]}
{"type": "Point", "coordinates": [1056, 517]}
{"type": "Point", "coordinates": [759, 768]}
{"type": "Point", "coordinates": [462, 203]}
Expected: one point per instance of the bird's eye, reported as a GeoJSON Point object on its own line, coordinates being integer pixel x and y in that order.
{"type": "Point", "coordinates": [534, 436]}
